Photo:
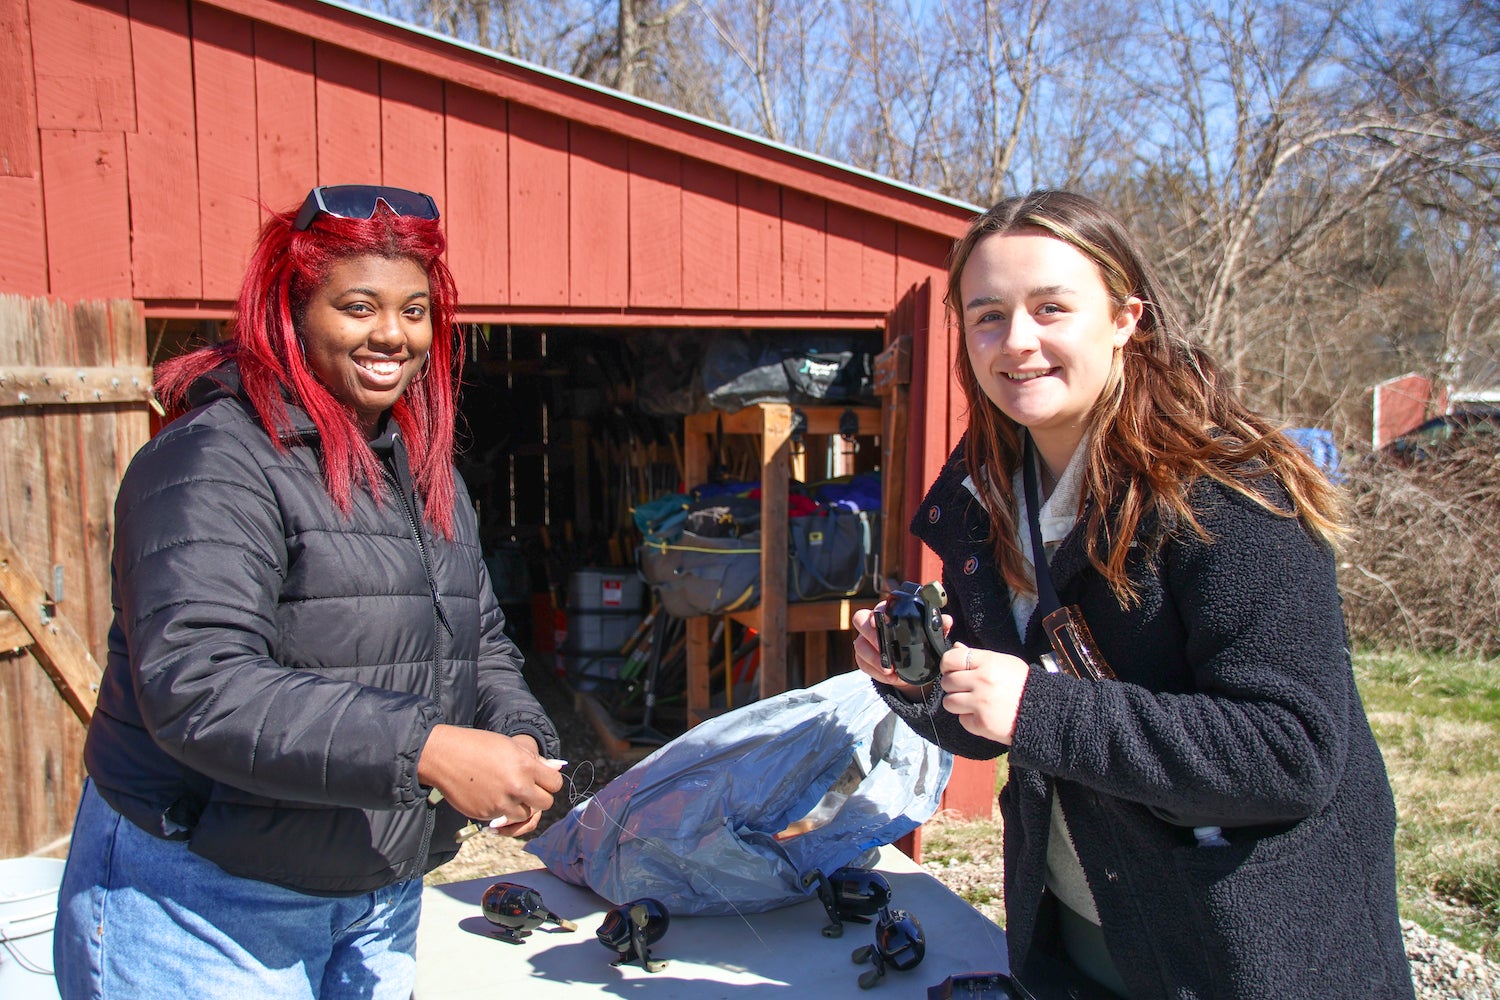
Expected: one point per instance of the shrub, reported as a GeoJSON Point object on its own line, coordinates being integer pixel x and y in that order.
{"type": "Point", "coordinates": [1423, 568]}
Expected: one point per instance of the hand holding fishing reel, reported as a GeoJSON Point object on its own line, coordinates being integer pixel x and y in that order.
{"type": "Point", "coordinates": [910, 627]}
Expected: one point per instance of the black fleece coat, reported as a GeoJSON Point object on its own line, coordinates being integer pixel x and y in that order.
{"type": "Point", "coordinates": [1235, 705]}
{"type": "Point", "coordinates": [275, 667]}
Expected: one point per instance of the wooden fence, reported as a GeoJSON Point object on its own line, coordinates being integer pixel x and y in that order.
{"type": "Point", "coordinates": [74, 390]}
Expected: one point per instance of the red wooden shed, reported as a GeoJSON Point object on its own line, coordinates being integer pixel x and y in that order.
{"type": "Point", "coordinates": [141, 144]}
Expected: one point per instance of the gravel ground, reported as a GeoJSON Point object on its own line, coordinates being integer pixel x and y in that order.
{"type": "Point", "coordinates": [1440, 969]}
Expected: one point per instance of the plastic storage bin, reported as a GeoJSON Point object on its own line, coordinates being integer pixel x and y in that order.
{"type": "Point", "coordinates": [28, 908]}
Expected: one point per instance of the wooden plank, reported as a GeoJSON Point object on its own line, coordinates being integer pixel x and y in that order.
{"type": "Point", "coordinates": [598, 219]}
{"type": "Point", "coordinates": [228, 176]}
{"type": "Point", "coordinates": [83, 548]}
{"type": "Point", "coordinates": [88, 214]}
{"type": "Point", "coordinates": [23, 237]}
{"type": "Point", "coordinates": [710, 237]}
{"type": "Point", "coordinates": [861, 259]}
{"type": "Point", "coordinates": [286, 116]}
{"type": "Point", "coordinates": [349, 138]}
{"type": "Point", "coordinates": [55, 643]}
{"type": "Point", "coordinates": [759, 244]}
{"type": "Point", "coordinates": [655, 227]}
{"type": "Point", "coordinates": [804, 251]}
{"type": "Point", "coordinates": [18, 152]}
{"type": "Point", "coordinates": [166, 256]}
{"type": "Point", "coordinates": [75, 385]}
{"type": "Point", "coordinates": [13, 635]}
{"type": "Point", "coordinates": [411, 127]}
{"type": "Point", "coordinates": [132, 423]}
{"type": "Point", "coordinates": [775, 469]}
{"type": "Point", "coordinates": [23, 502]}
{"type": "Point", "coordinates": [84, 78]}
{"type": "Point", "coordinates": [538, 208]}
{"type": "Point", "coordinates": [73, 334]}
{"type": "Point", "coordinates": [477, 219]}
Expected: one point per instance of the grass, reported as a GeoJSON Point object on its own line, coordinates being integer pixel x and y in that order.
{"type": "Point", "coordinates": [1437, 720]}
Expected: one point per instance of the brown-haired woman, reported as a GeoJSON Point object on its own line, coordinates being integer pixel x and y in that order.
{"type": "Point", "coordinates": [1214, 820]}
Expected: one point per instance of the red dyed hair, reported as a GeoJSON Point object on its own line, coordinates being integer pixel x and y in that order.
{"type": "Point", "coordinates": [286, 267]}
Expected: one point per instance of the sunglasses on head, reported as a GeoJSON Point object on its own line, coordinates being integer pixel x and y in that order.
{"type": "Point", "coordinates": [359, 201]}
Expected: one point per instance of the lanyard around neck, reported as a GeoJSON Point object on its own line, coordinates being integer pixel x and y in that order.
{"type": "Point", "coordinates": [1046, 596]}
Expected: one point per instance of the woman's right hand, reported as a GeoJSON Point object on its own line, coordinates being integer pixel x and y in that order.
{"type": "Point", "coordinates": [486, 775]}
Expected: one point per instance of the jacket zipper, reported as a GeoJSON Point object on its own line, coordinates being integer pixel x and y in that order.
{"type": "Point", "coordinates": [439, 618]}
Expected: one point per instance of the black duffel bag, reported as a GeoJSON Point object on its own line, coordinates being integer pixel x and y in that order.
{"type": "Point", "coordinates": [740, 370]}
{"type": "Point", "coordinates": [831, 554]}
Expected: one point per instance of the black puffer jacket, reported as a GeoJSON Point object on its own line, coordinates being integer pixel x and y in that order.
{"type": "Point", "coordinates": [274, 668]}
{"type": "Point", "coordinates": [1235, 706]}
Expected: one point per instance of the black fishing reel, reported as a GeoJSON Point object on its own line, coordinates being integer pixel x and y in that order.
{"type": "Point", "coordinates": [899, 944]}
{"type": "Point", "coordinates": [631, 928]}
{"type": "Point", "coordinates": [854, 894]}
{"type": "Point", "coordinates": [517, 910]}
{"type": "Point", "coordinates": [910, 627]}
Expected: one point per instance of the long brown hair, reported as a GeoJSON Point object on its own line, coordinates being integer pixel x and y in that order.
{"type": "Point", "coordinates": [1167, 415]}
{"type": "Point", "coordinates": [286, 267]}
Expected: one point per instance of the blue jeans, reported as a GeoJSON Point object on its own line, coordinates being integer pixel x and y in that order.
{"type": "Point", "coordinates": [143, 917]}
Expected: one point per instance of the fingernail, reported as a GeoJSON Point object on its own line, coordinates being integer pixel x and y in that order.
{"type": "Point", "coordinates": [498, 822]}
{"type": "Point", "coordinates": [556, 764]}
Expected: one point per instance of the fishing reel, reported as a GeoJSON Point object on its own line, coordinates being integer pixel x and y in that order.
{"type": "Point", "coordinates": [517, 910]}
{"type": "Point", "coordinates": [910, 628]}
{"type": "Point", "coordinates": [631, 928]}
{"type": "Point", "coordinates": [899, 944]}
{"type": "Point", "coordinates": [979, 986]}
{"type": "Point", "coordinates": [854, 894]}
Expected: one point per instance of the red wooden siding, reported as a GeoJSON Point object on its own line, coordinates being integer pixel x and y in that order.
{"type": "Point", "coordinates": [710, 244]}
{"type": "Point", "coordinates": [23, 242]}
{"type": "Point", "coordinates": [166, 257]}
{"type": "Point", "coordinates": [286, 114]}
{"type": "Point", "coordinates": [81, 57]}
{"type": "Point", "coordinates": [140, 145]}
{"type": "Point", "coordinates": [411, 130]}
{"type": "Point", "coordinates": [228, 174]}
{"type": "Point", "coordinates": [759, 243]}
{"type": "Point", "coordinates": [598, 218]}
{"type": "Point", "coordinates": [479, 207]}
{"type": "Point", "coordinates": [87, 213]}
{"type": "Point", "coordinates": [348, 101]}
{"type": "Point", "coordinates": [655, 227]}
{"type": "Point", "coordinates": [538, 208]}
{"type": "Point", "coordinates": [17, 94]}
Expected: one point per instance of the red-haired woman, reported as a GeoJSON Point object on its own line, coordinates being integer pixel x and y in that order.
{"type": "Point", "coordinates": [1215, 820]}
{"type": "Point", "coordinates": [308, 690]}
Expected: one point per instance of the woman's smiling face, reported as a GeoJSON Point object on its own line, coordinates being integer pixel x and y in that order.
{"type": "Point", "coordinates": [366, 332]}
{"type": "Point", "coordinates": [1041, 333]}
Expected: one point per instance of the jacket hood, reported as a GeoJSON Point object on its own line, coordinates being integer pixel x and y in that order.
{"type": "Point", "coordinates": [225, 382]}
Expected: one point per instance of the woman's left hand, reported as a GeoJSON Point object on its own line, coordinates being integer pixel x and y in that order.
{"type": "Point", "coordinates": [983, 688]}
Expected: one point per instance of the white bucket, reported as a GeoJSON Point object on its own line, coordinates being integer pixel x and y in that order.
{"type": "Point", "coordinates": [28, 909]}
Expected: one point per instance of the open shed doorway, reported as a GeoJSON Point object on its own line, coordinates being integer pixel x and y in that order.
{"type": "Point", "coordinates": [563, 431]}
{"type": "Point", "coordinates": [566, 431]}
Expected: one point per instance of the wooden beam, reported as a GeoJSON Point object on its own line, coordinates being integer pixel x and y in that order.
{"type": "Point", "coordinates": [13, 634]}
{"type": "Point", "coordinates": [53, 640]}
{"type": "Point", "coordinates": [22, 385]}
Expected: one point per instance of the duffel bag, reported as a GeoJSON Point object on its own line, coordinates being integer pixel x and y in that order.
{"type": "Point", "coordinates": [701, 575]}
{"type": "Point", "coordinates": [831, 555]}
